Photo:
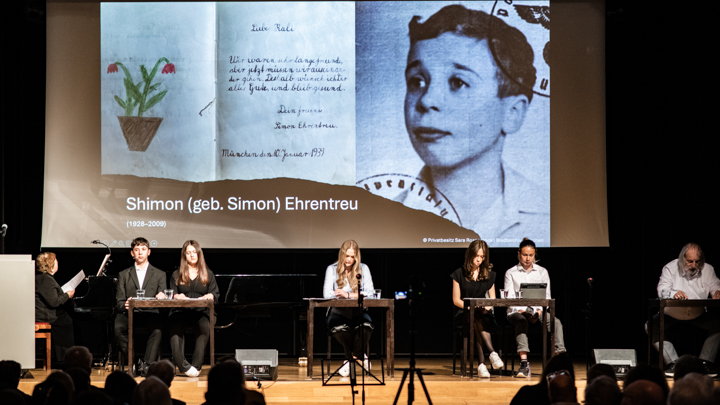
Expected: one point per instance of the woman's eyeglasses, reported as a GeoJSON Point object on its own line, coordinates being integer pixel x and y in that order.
{"type": "Point", "coordinates": [554, 374]}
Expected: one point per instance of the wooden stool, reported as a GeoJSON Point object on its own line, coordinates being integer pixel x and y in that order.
{"type": "Point", "coordinates": [42, 331]}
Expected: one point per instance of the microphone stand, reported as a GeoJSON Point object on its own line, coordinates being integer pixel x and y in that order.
{"type": "Point", "coordinates": [353, 374]}
{"type": "Point", "coordinates": [106, 262]}
{"type": "Point", "coordinates": [588, 322]}
{"type": "Point", "coordinates": [102, 272]}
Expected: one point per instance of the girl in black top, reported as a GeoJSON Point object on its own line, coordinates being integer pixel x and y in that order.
{"type": "Point", "coordinates": [192, 280]}
{"type": "Point", "coordinates": [474, 280]}
{"type": "Point", "coordinates": [49, 303]}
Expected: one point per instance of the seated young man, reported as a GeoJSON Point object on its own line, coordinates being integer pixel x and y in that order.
{"type": "Point", "coordinates": [141, 275]}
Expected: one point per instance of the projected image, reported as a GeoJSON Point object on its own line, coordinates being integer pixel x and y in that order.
{"type": "Point", "coordinates": [453, 112]}
{"type": "Point", "coordinates": [252, 91]}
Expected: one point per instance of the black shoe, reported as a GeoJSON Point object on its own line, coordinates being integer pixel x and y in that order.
{"type": "Point", "coordinates": [711, 370]}
{"type": "Point", "coordinates": [141, 368]}
{"type": "Point", "coordinates": [670, 371]}
{"type": "Point", "coordinates": [524, 370]}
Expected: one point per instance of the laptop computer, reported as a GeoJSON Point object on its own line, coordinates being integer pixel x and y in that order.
{"type": "Point", "coordinates": [533, 290]}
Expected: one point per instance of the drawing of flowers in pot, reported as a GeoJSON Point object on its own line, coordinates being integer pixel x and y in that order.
{"type": "Point", "coordinates": [138, 130]}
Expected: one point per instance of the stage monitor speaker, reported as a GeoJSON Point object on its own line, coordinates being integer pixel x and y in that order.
{"type": "Point", "coordinates": [259, 364]}
{"type": "Point", "coordinates": [621, 360]}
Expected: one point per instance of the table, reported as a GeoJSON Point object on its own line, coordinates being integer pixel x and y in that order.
{"type": "Point", "coordinates": [386, 303]}
{"type": "Point", "coordinates": [662, 304]}
{"type": "Point", "coordinates": [173, 303]}
{"type": "Point", "coordinates": [548, 308]}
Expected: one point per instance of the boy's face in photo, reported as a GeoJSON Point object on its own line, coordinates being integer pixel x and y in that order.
{"type": "Point", "coordinates": [452, 112]}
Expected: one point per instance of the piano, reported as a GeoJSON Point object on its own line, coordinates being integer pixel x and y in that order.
{"type": "Point", "coordinates": [95, 301]}
{"type": "Point", "coordinates": [256, 295]}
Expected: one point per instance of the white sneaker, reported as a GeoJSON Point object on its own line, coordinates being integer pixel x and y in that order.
{"type": "Point", "coordinates": [367, 363]}
{"type": "Point", "coordinates": [483, 371]}
{"type": "Point", "coordinates": [192, 372]}
{"type": "Point", "coordinates": [495, 361]}
{"type": "Point", "coordinates": [345, 369]}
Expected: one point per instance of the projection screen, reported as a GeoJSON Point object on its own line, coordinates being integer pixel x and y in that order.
{"type": "Point", "coordinates": [302, 124]}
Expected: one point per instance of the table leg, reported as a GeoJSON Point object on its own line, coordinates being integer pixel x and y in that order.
{"type": "Point", "coordinates": [544, 328]}
{"type": "Point", "coordinates": [310, 331]}
{"type": "Point", "coordinates": [390, 345]}
{"type": "Point", "coordinates": [130, 339]}
{"type": "Point", "coordinates": [661, 340]}
{"type": "Point", "coordinates": [212, 334]}
{"type": "Point", "coordinates": [472, 340]}
{"type": "Point", "coordinates": [649, 332]}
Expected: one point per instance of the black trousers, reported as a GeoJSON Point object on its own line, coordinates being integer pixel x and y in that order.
{"type": "Point", "coordinates": [152, 322]}
{"type": "Point", "coordinates": [347, 331]}
{"type": "Point", "coordinates": [179, 322]}
{"type": "Point", "coordinates": [62, 334]}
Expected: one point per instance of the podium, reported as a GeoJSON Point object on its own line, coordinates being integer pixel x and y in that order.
{"type": "Point", "coordinates": [17, 316]}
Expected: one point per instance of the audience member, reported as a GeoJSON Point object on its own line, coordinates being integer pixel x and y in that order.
{"type": "Point", "coordinates": [561, 388]}
{"type": "Point", "coordinates": [80, 378]}
{"type": "Point", "coordinates": [51, 392]}
{"type": "Point", "coordinates": [687, 364]}
{"type": "Point", "coordinates": [165, 371]}
{"type": "Point", "coordinates": [226, 385]}
{"type": "Point", "coordinates": [602, 390]}
{"type": "Point", "coordinates": [599, 369]}
{"type": "Point", "coordinates": [643, 392]}
{"type": "Point", "coordinates": [10, 379]}
{"type": "Point", "coordinates": [78, 356]}
{"type": "Point", "coordinates": [92, 397]}
{"type": "Point", "coordinates": [63, 378]}
{"type": "Point", "coordinates": [152, 391]}
{"type": "Point", "coordinates": [13, 397]}
{"type": "Point", "coordinates": [538, 394]}
{"type": "Point", "coordinates": [120, 387]}
{"type": "Point", "coordinates": [650, 373]}
{"type": "Point", "coordinates": [692, 389]}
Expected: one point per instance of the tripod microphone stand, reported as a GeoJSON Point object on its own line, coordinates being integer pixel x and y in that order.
{"type": "Point", "coordinates": [412, 370]}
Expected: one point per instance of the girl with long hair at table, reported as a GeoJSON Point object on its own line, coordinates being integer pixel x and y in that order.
{"type": "Point", "coordinates": [192, 280]}
{"type": "Point", "coordinates": [345, 323]}
{"type": "Point", "coordinates": [475, 279]}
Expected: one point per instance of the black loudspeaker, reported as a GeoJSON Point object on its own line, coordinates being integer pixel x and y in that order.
{"type": "Point", "coordinates": [258, 364]}
{"type": "Point", "coordinates": [621, 360]}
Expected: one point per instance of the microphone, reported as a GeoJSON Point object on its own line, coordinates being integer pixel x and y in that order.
{"type": "Point", "coordinates": [358, 276]}
{"type": "Point", "coordinates": [97, 242]}
{"type": "Point", "coordinates": [589, 281]}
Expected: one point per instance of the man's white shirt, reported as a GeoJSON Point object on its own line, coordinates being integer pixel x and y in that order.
{"type": "Point", "coordinates": [517, 275]}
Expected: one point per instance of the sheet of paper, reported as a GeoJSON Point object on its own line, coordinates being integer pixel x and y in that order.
{"type": "Point", "coordinates": [74, 282]}
{"type": "Point", "coordinates": [286, 91]}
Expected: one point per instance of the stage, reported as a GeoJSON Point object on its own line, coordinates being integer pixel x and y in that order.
{"type": "Point", "coordinates": [293, 387]}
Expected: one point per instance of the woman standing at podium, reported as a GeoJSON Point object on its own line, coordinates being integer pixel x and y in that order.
{"type": "Point", "coordinates": [192, 280]}
{"type": "Point", "coordinates": [475, 279]}
{"type": "Point", "coordinates": [342, 281]}
{"type": "Point", "coordinates": [49, 302]}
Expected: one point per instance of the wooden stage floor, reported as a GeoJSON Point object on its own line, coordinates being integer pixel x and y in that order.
{"type": "Point", "coordinates": [292, 387]}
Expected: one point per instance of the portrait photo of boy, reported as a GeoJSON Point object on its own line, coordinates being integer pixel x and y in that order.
{"type": "Point", "coordinates": [474, 141]}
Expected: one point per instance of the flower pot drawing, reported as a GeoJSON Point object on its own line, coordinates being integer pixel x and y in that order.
{"type": "Point", "coordinates": [139, 131]}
